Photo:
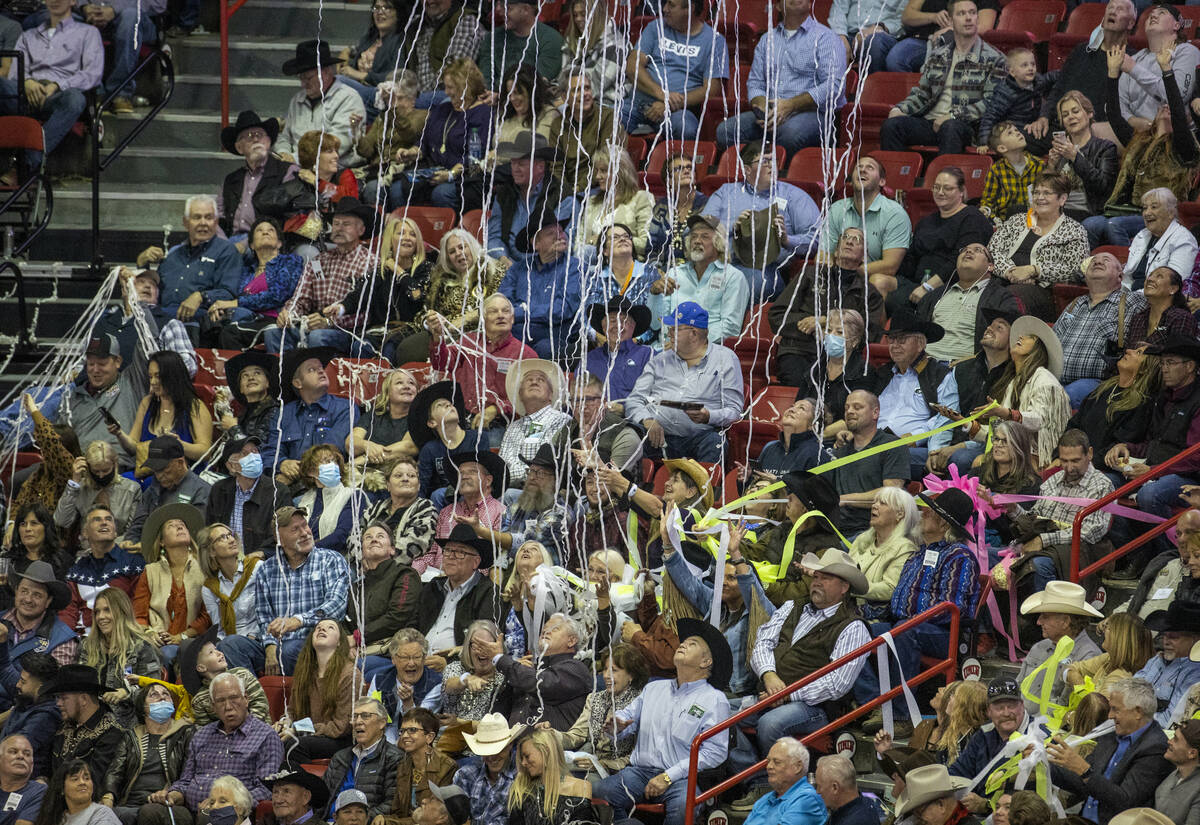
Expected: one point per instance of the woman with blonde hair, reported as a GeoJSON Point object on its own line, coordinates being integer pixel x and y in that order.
{"type": "Point", "coordinates": [606, 571]}
{"type": "Point", "coordinates": [229, 597]}
{"type": "Point", "coordinates": [593, 43]}
{"type": "Point", "coordinates": [96, 479]}
{"type": "Point", "coordinates": [117, 645]}
{"type": "Point", "coordinates": [544, 792]}
{"type": "Point", "coordinates": [323, 691]}
{"type": "Point", "coordinates": [521, 625]}
{"type": "Point", "coordinates": [881, 551]}
{"type": "Point", "coordinates": [1128, 645]}
{"type": "Point", "coordinates": [383, 435]}
{"type": "Point", "coordinates": [331, 503]}
{"type": "Point", "coordinates": [617, 198]}
{"type": "Point", "coordinates": [960, 708]}
{"type": "Point", "coordinates": [470, 687]}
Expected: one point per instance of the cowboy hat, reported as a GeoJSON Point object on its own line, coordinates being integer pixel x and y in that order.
{"type": "Point", "coordinates": [696, 554]}
{"type": "Point", "coordinates": [546, 457]}
{"type": "Point", "coordinates": [1141, 816]}
{"type": "Point", "coordinates": [1062, 597]}
{"type": "Point", "coordinates": [718, 647]}
{"type": "Point", "coordinates": [953, 506]}
{"type": "Point", "coordinates": [699, 476]}
{"type": "Point", "coordinates": [247, 120]}
{"type": "Point", "coordinates": [422, 403]}
{"type": "Point", "coordinates": [310, 782]}
{"type": "Point", "coordinates": [926, 784]}
{"type": "Point", "coordinates": [992, 313]}
{"type": "Point", "coordinates": [838, 563]}
{"type": "Point", "coordinates": [902, 759]}
{"type": "Point", "coordinates": [906, 321]}
{"type": "Point", "coordinates": [516, 374]}
{"type": "Point", "coordinates": [528, 145]}
{"type": "Point", "coordinates": [189, 654]}
{"type": "Point", "coordinates": [293, 358]}
{"type": "Point", "coordinates": [265, 361]}
{"type": "Point", "coordinates": [310, 54]}
{"type": "Point", "coordinates": [814, 491]}
{"type": "Point", "coordinates": [1029, 325]}
{"type": "Point", "coordinates": [597, 313]}
{"type": "Point", "coordinates": [74, 679]}
{"type": "Point", "coordinates": [1180, 615]}
{"type": "Point", "coordinates": [234, 445]}
{"type": "Point", "coordinates": [366, 213]}
{"type": "Point", "coordinates": [42, 573]}
{"type": "Point", "coordinates": [491, 462]}
{"type": "Point", "coordinates": [1180, 345]}
{"type": "Point", "coordinates": [463, 534]}
{"type": "Point", "coordinates": [492, 735]}
{"type": "Point", "coordinates": [192, 518]}
{"type": "Point", "coordinates": [458, 804]}
{"type": "Point", "coordinates": [544, 218]}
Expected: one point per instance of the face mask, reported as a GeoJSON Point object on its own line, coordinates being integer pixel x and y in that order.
{"type": "Point", "coordinates": [104, 480]}
{"type": "Point", "coordinates": [835, 345]}
{"type": "Point", "coordinates": [251, 465]}
{"type": "Point", "coordinates": [161, 712]}
{"type": "Point", "coordinates": [223, 816]}
{"type": "Point", "coordinates": [329, 475]}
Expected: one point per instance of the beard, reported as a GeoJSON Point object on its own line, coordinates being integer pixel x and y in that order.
{"type": "Point", "coordinates": [535, 501]}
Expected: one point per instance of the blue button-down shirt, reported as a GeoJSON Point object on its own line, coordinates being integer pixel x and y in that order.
{"type": "Point", "coordinates": [327, 420]}
{"type": "Point", "coordinates": [800, 805]}
{"type": "Point", "coordinates": [667, 716]}
{"type": "Point", "coordinates": [619, 370]}
{"type": "Point", "coordinates": [715, 382]}
{"type": "Point", "coordinates": [811, 60]}
{"type": "Point", "coordinates": [801, 217]}
{"type": "Point", "coordinates": [903, 408]}
{"type": "Point", "coordinates": [213, 268]}
{"type": "Point", "coordinates": [1171, 681]}
{"type": "Point", "coordinates": [489, 800]}
{"type": "Point", "coordinates": [315, 590]}
{"type": "Point", "coordinates": [1091, 807]}
{"type": "Point", "coordinates": [722, 290]}
{"type": "Point", "coordinates": [542, 293]}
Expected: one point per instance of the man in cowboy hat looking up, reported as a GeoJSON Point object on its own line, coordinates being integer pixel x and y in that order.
{"type": "Point", "coordinates": [297, 796]}
{"type": "Point", "coordinates": [32, 625]}
{"type": "Point", "coordinates": [1177, 668]}
{"type": "Point", "coordinates": [250, 138]}
{"type": "Point", "coordinates": [540, 513]}
{"type": "Point", "coordinates": [89, 731]}
{"type": "Point", "coordinates": [930, 797]}
{"type": "Point", "coordinates": [1062, 611]}
{"type": "Point", "coordinates": [448, 604]}
{"type": "Point", "coordinates": [477, 481]}
{"type": "Point", "coordinates": [34, 716]}
{"type": "Point", "coordinates": [1006, 715]}
{"type": "Point", "coordinates": [327, 280]}
{"type": "Point", "coordinates": [487, 777]}
{"type": "Point", "coordinates": [666, 717]}
{"type": "Point", "coordinates": [311, 415]}
{"type": "Point", "coordinates": [545, 287]}
{"type": "Point", "coordinates": [536, 387]}
{"type": "Point", "coordinates": [322, 103]}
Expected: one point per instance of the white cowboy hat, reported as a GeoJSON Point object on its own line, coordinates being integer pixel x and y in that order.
{"type": "Point", "coordinates": [1029, 325]}
{"type": "Point", "coordinates": [492, 735]}
{"type": "Point", "coordinates": [1141, 816]}
{"type": "Point", "coordinates": [1061, 597]}
{"type": "Point", "coordinates": [925, 784]}
{"type": "Point", "coordinates": [516, 373]}
{"type": "Point", "coordinates": [838, 563]}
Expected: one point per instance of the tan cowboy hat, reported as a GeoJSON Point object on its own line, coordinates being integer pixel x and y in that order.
{"type": "Point", "coordinates": [838, 563]}
{"type": "Point", "coordinates": [492, 735]}
{"type": "Point", "coordinates": [1141, 816]}
{"type": "Point", "coordinates": [516, 373]}
{"type": "Point", "coordinates": [925, 784]}
{"type": "Point", "coordinates": [1194, 655]}
{"type": "Point", "coordinates": [1061, 597]}
{"type": "Point", "coordinates": [699, 476]}
{"type": "Point", "coordinates": [1029, 325]}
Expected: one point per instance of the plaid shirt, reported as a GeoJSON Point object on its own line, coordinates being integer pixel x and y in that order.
{"type": "Point", "coordinates": [526, 434]}
{"type": "Point", "coordinates": [489, 511]}
{"type": "Point", "coordinates": [64, 653]}
{"type": "Point", "coordinates": [252, 751]}
{"type": "Point", "coordinates": [489, 802]}
{"type": "Point", "coordinates": [548, 527]}
{"type": "Point", "coordinates": [315, 590]}
{"type": "Point", "coordinates": [1093, 485]}
{"type": "Point", "coordinates": [975, 78]}
{"type": "Point", "coordinates": [464, 42]}
{"type": "Point", "coordinates": [1005, 193]}
{"type": "Point", "coordinates": [329, 277]}
{"type": "Point", "coordinates": [1084, 329]}
{"type": "Point", "coordinates": [240, 497]}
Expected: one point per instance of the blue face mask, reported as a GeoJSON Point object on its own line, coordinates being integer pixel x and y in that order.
{"type": "Point", "coordinates": [160, 711]}
{"type": "Point", "coordinates": [251, 465]}
{"type": "Point", "coordinates": [835, 345]}
{"type": "Point", "coordinates": [329, 475]}
{"type": "Point", "coordinates": [223, 816]}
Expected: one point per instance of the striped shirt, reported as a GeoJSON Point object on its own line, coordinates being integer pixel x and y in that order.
{"type": "Point", "coordinates": [831, 686]}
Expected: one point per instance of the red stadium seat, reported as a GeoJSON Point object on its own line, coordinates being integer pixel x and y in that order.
{"type": "Point", "coordinates": [703, 153]}
{"type": "Point", "coordinates": [433, 221]}
{"type": "Point", "coordinates": [918, 203]}
{"type": "Point", "coordinates": [357, 378]}
{"type": "Point", "coordinates": [277, 689]}
{"type": "Point", "coordinates": [1064, 294]}
{"type": "Point", "coordinates": [1005, 41]}
{"type": "Point", "coordinates": [902, 168]}
{"type": "Point", "coordinates": [637, 148]}
{"type": "Point", "coordinates": [420, 370]}
{"type": "Point", "coordinates": [1080, 22]}
{"type": "Point", "coordinates": [1189, 214]}
{"type": "Point", "coordinates": [887, 88]}
{"type": "Point", "coordinates": [473, 222]}
{"type": "Point", "coordinates": [1038, 17]}
{"type": "Point", "coordinates": [878, 354]}
{"type": "Point", "coordinates": [975, 167]}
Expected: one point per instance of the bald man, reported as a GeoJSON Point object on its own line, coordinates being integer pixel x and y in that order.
{"type": "Point", "coordinates": [1166, 577]}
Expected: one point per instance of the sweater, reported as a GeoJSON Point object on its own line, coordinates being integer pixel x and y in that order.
{"type": "Point", "coordinates": [333, 725]}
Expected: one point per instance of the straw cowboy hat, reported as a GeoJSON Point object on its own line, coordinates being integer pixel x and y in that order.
{"type": "Point", "coordinates": [837, 563]}
{"type": "Point", "coordinates": [1029, 325]}
{"type": "Point", "coordinates": [516, 374]}
{"type": "Point", "coordinates": [492, 735]}
{"type": "Point", "coordinates": [926, 784]}
{"type": "Point", "coordinates": [1141, 816]}
{"type": "Point", "coordinates": [1061, 597]}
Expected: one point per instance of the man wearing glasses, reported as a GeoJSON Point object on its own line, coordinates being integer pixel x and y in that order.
{"type": "Point", "coordinates": [449, 603]}
{"type": "Point", "coordinates": [369, 765]}
{"type": "Point", "coordinates": [250, 138]}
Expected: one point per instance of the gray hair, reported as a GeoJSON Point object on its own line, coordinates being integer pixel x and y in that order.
{"type": "Point", "coordinates": [195, 199]}
{"type": "Point", "coordinates": [1165, 196]}
{"type": "Point", "coordinates": [795, 750]}
{"type": "Point", "coordinates": [242, 802]}
{"type": "Point", "coordinates": [494, 297]}
{"type": "Point", "coordinates": [221, 678]}
{"type": "Point", "coordinates": [375, 704]}
{"type": "Point", "coordinates": [467, 657]}
{"type": "Point", "coordinates": [407, 636]}
{"type": "Point", "coordinates": [573, 627]}
{"type": "Point", "coordinates": [407, 84]}
{"type": "Point", "coordinates": [840, 770]}
{"type": "Point", "coordinates": [905, 505]}
{"type": "Point", "coordinates": [1137, 694]}
{"type": "Point", "coordinates": [853, 326]}
{"type": "Point", "coordinates": [720, 239]}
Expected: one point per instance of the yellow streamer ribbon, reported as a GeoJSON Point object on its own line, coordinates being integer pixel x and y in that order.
{"type": "Point", "coordinates": [1051, 710]}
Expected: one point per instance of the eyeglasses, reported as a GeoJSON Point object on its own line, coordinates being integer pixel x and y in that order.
{"type": "Point", "coordinates": [1044, 193]}
{"type": "Point", "coordinates": [1173, 362]}
{"type": "Point", "coordinates": [458, 554]}
{"type": "Point", "coordinates": [415, 658]}
{"type": "Point", "coordinates": [937, 187]}
{"type": "Point", "coordinates": [365, 717]}
{"type": "Point", "coordinates": [253, 134]}
{"type": "Point", "coordinates": [412, 731]}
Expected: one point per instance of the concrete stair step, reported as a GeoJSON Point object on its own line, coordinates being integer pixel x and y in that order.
{"type": "Point", "coordinates": [301, 20]}
{"type": "Point", "coordinates": [145, 164]}
{"type": "Point", "coordinates": [266, 95]}
{"type": "Point", "coordinates": [124, 206]}
{"type": "Point", "coordinates": [255, 55]}
{"type": "Point", "coordinates": [175, 128]}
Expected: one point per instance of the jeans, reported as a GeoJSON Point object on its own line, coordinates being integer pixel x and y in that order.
{"type": "Point", "coordinates": [791, 719]}
{"type": "Point", "coordinates": [551, 343]}
{"type": "Point", "coordinates": [241, 651]}
{"type": "Point", "coordinates": [288, 655]}
{"type": "Point", "coordinates": [965, 456]}
{"type": "Point", "coordinates": [167, 654]}
{"type": "Point", "coordinates": [908, 55]}
{"type": "Point", "coordinates": [152, 813]}
{"type": "Point", "coordinates": [58, 114]}
{"type": "Point", "coordinates": [916, 461]}
{"type": "Point", "coordinates": [765, 284]}
{"type": "Point", "coordinates": [128, 31]}
{"type": "Point", "coordinates": [447, 195]}
{"type": "Point", "coordinates": [879, 46]}
{"type": "Point", "coordinates": [1080, 389]}
{"type": "Point", "coordinates": [928, 639]}
{"type": "Point", "coordinates": [624, 789]}
{"type": "Point", "coordinates": [366, 91]}
{"type": "Point", "coordinates": [899, 133]}
{"type": "Point", "coordinates": [341, 341]}
{"type": "Point", "coordinates": [1044, 572]}
{"type": "Point", "coordinates": [704, 446]}
{"type": "Point", "coordinates": [681, 125]}
{"type": "Point", "coordinates": [427, 100]}
{"type": "Point", "coordinates": [799, 131]}
{"type": "Point", "coordinates": [1162, 494]}
{"type": "Point", "coordinates": [1118, 231]}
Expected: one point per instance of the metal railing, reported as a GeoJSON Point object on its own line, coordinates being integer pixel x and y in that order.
{"type": "Point", "coordinates": [947, 666]}
{"type": "Point", "coordinates": [228, 9]}
{"type": "Point", "coordinates": [1075, 574]}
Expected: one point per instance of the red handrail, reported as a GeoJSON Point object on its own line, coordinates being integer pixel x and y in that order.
{"type": "Point", "coordinates": [947, 666]}
{"type": "Point", "coordinates": [1077, 526]}
{"type": "Point", "coordinates": [228, 9]}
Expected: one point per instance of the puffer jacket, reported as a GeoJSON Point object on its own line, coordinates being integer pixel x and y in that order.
{"type": "Point", "coordinates": [127, 764]}
{"type": "Point", "coordinates": [375, 776]}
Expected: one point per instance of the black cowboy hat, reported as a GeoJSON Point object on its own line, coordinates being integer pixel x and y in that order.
{"type": "Point", "coordinates": [74, 679]}
{"type": "Point", "coordinates": [491, 462]}
{"type": "Point", "coordinates": [814, 491]}
{"type": "Point", "coordinates": [954, 506]}
{"type": "Point", "coordinates": [1181, 345]}
{"type": "Point", "coordinates": [233, 445]}
{"type": "Point", "coordinates": [189, 653]}
{"type": "Point", "coordinates": [422, 403]}
{"type": "Point", "coordinates": [528, 145]}
{"type": "Point", "coordinates": [1181, 616]}
{"type": "Point", "coordinates": [905, 320]}
{"type": "Point", "coordinates": [293, 358]}
{"type": "Point", "coordinates": [310, 54]}
{"type": "Point", "coordinates": [267, 362]}
{"type": "Point", "coordinates": [718, 646]}
{"type": "Point", "coordinates": [537, 222]}
{"type": "Point", "coordinates": [366, 213]}
{"type": "Point", "coordinates": [618, 303]}
{"type": "Point", "coordinates": [462, 534]}
{"type": "Point", "coordinates": [187, 513]}
{"type": "Point", "coordinates": [992, 313]}
{"type": "Point", "coordinates": [248, 119]}
{"type": "Point", "coordinates": [312, 783]}
{"type": "Point", "coordinates": [697, 554]}
{"type": "Point", "coordinates": [42, 573]}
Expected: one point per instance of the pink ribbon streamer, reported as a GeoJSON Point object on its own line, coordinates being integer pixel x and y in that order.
{"type": "Point", "coordinates": [1113, 507]}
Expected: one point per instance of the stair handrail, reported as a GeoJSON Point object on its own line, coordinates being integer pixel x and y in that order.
{"type": "Point", "coordinates": [947, 665]}
{"type": "Point", "coordinates": [1074, 573]}
{"type": "Point", "coordinates": [228, 10]}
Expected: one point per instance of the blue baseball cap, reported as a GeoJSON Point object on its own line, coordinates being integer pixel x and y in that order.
{"type": "Point", "coordinates": [689, 314]}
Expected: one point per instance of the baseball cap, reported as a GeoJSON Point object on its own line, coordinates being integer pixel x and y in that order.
{"type": "Point", "coordinates": [1190, 731]}
{"type": "Point", "coordinates": [162, 451]}
{"type": "Point", "coordinates": [458, 804]}
{"type": "Point", "coordinates": [351, 796]}
{"type": "Point", "coordinates": [284, 514]}
{"type": "Point", "coordinates": [103, 345]}
{"type": "Point", "coordinates": [152, 274]}
{"type": "Point", "coordinates": [1003, 687]}
{"type": "Point", "coordinates": [689, 314]}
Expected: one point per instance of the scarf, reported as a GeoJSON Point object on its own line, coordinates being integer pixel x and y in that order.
{"type": "Point", "coordinates": [228, 618]}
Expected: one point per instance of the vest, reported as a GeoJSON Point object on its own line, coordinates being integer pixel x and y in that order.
{"type": "Point", "coordinates": [928, 379]}
{"type": "Point", "coordinates": [795, 661]}
{"type": "Point", "coordinates": [231, 189]}
{"type": "Point", "coordinates": [1170, 422]}
{"type": "Point", "coordinates": [50, 634]}
{"type": "Point", "coordinates": [440, 42]}
{"type": "Point", "coordinates": [158, 581]}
